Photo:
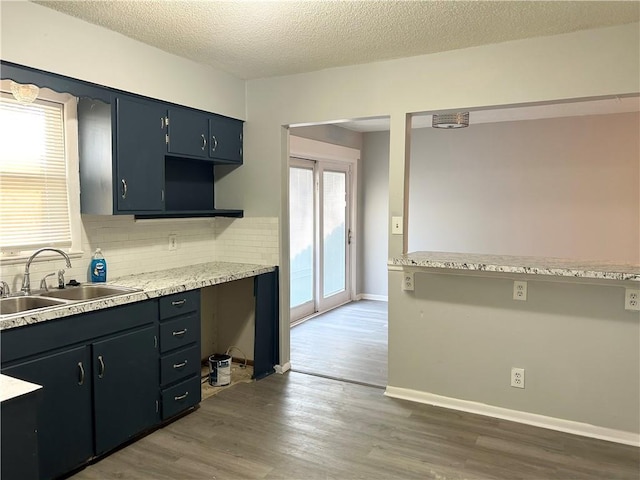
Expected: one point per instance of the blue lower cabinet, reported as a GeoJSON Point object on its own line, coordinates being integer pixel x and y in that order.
{"type": "Point", "coordinates": [99, 390]}
{"type": "Point", "coordinates": [125, 385]}
{"type": "Point", "coordinates": [65, 420]}
{"type": "Point", "coordinates": [180, 397]}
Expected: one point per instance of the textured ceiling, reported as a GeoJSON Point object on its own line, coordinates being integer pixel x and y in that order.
{"type": "Point", "coordinates": [255, 39]}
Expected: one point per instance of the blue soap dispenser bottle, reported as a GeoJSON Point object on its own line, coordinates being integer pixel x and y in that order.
{"type": "Point", "coordinates": [98, 267]}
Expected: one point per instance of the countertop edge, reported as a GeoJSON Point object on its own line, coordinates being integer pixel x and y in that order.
{"type": "Point", "coordinates": [11, 387]}
{"type": "Point", "coordinates": [554, 267]}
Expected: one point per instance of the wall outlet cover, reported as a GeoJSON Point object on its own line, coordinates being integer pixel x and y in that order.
{"type": "Point", "coordinates": [519, 290]}
{"type": "Point", "coordinates": [632, 299]}
{"type": "Point", "coordinates": [407, 281]}
{"type": "Point", "coordinates": [517, 377]}
{"type": "Point", "coordinates": [396, 225]}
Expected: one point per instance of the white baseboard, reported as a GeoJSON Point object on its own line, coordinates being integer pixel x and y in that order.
{"type": "Point", "coordinates": [370, 296]}
{"type": "Point", "coordinates": [282, 368]}
{"type": "Point", "coordinates": [552, 423]}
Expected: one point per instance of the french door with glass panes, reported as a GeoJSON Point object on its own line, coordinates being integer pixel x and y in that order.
{"type": "Point", "coordinates": [320, 236]}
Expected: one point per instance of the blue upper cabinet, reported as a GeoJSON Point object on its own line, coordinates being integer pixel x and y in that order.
{"type": "Point", "coordinates": [195, 134]}
{"type": "Point", "coordinates": [139, 155]}
{"type": "Point", "coordinates": [225, 140]}
{"type": "Point", "coordinates": [187, 133]}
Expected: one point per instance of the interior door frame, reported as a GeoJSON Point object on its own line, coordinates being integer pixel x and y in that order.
{"type": "Point", "coordinates": [314, 150]}
{"type": "Point", "coordinates": [308, 308]}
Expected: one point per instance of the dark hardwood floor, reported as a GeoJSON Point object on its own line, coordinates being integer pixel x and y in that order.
{"type": "Point", "coordinates": [346, 343]}
{"type": "Point", "coordinates": [297, 426]}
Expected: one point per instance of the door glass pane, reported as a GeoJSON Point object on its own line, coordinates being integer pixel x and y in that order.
{"type": "Point", "coordinates": [301, 213]}
{"type": "Point", "coordinates": [334, 221]}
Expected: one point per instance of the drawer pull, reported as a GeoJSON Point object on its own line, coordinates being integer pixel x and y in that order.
{"type": "Point", "coordinates": [181, 397]}
{"type": "Point", "coordinates": [180, 365]}
{"type": "Point", "coordinates": [179, 303]}
{"type": "Point", "coordinates": [179, 333]}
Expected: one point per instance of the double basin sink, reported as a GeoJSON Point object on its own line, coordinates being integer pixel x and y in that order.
{"type": "Point", "coordinates": [66, 296]}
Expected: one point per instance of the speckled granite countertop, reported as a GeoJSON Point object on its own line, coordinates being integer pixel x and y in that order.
{"type": "Point", "coordinates": [557, 267]}
{"type": "Point", "coordinates": [13, 387]}
{"type": "Point", "coordinates": [152, 285]}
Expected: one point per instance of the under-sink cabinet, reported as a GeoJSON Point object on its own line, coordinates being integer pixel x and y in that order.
{"type": "Point", "coordinates": [99, 373]}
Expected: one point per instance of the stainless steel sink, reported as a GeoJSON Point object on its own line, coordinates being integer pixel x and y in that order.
{"type": "Point", "coordinates": [87, 292]}
{"type": "Point", "coordinates": [12, 305]}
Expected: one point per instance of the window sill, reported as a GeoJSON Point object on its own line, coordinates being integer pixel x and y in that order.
{"type": "Point", "coordinates": [43, 257]}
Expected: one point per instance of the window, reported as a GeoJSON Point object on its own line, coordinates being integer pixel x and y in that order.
{"type": "Point", "coordinates": [39, 193]}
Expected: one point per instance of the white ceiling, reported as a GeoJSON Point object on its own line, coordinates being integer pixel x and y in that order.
{"type": "Point", "coordinates": [255, 39]}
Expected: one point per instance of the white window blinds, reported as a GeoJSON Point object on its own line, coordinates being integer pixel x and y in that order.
{"type": "Point", "coordinates": [34, 206]}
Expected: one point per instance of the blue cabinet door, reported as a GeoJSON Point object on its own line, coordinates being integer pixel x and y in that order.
{"type": "Point", "coordinates": [126, 386]}
{"type": "Point", "coordinates": [188, 133]}
{"type": "Point", "coordinates": [65, 427]}
{"type": "Point", "coordinates": [140, 147]}
{"type": "Point", "coordinates": [225, 142]}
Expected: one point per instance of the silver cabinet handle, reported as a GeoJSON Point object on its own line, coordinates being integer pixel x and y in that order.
{"type": "Point", "coordinates": [180, 365]}
{"type": "Point", "coordinates": [179, 303]}
{"type": "Point", "coordinates": [179, 333]}
{"type": "Point", "coordinates": [181, 397]}
{"type": "Point", "coordinates": [81, 381]}
{"type": "Point", "coordinates": [101, 367]}
{"type": "Point", "coordinates": [215, 143]}
{"type": "Point", "coordinates": [204, 141]}
{"type": "Point", "coordinates": [124, 188]}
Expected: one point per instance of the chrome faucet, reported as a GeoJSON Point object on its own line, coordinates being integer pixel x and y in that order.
{"type": "Point", "coordinates": [4, 289]}
{"type": "Point", "coordinates": [26, 283]}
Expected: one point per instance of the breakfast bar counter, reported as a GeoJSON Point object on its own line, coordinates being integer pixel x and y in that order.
{"type": "Point", "coordinates": [511, 264]}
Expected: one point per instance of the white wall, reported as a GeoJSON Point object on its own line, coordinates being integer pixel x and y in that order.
{"type": "Point", "coordinates": [577, 65]}
{"type": "Point", "coordinates": [563, 187]}
{"type": "Point", "coordinates": [42, 38]}
{"type": "Point", "coordinates": [374, 206]}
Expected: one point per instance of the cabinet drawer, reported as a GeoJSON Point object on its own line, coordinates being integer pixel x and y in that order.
{"type": "Point", "coordinates": [179, 304]}
{"type": "Point", "coordinates": [179, 332]}
{"type": "Point", "coordinates": [180, 397]}
{"type": "Point", "coordinates": [182, 363]}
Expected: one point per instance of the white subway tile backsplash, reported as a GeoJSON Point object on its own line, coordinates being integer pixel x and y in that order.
{"type": "Point", "coordinates": [136, 247]}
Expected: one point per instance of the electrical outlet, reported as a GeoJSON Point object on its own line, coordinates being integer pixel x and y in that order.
{"type": "Point", "coordinates": [517, 377]}
{"type": "Point", "coordinates": [407, 281]}
{"type": "Point", "coordinates": [632, 299]}
{"type": "Point", "coordinates": [396, 226]}
{"type": "Point", "coordinates": [519, 290]}
{"type": "Point", "coordinates": [173, 242]}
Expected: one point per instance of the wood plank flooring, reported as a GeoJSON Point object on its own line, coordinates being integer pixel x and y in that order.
{"type": "Point", "coordinates": [297, 426]}
{"type": "Point", "coordinates": [348, 343]}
